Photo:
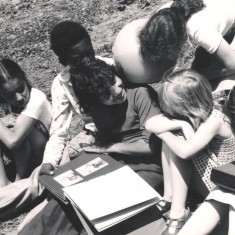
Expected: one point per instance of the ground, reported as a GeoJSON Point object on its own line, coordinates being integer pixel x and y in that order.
{"type": "Point", "coordinates": [26, 25]}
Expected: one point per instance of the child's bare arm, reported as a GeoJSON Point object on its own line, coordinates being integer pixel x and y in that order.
{"type": "Point", "coordinates": [160, 123]}
{"type": "Point", "coordinates": [188, 148]}
{"type": "Point", "coordinates": [226, 54]}
{"type": "Point", "coordinates": [12, 138]}
{"type": "Point", "coordinates": [9, 119]}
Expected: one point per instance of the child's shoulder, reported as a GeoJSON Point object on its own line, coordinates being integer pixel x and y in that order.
{"type": "Point", "coordinates": [37, 96]}
{"type": "Point", "coordinates": [37, 92]}
{"type": "Point", "coordinates": [217, 114]}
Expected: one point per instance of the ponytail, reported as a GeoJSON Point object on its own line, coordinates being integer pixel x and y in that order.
{"type": "Point", "coordinates": [187, 7]}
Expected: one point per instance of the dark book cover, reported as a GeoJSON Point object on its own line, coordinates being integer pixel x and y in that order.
{"type": "Point", "coordinates": [224, 176]}
{"type": "Point", "coordinates": [84, 167]}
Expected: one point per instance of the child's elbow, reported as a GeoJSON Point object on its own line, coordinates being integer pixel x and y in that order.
{"type": "Point", "coordinates": [147, 126]}
{"type": "Point", "coordinates": [150, 126]}
{"type": "Point", "coordinates": [185, 155]}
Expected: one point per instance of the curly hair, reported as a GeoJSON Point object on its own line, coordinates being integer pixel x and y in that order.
{"type": "Point", "coordinates": [64, 36]}
{"type": "Point", "coordinates": [186, 94]}
{"type": "Point", "coordinates": [187, 7]}
{"type": "Point", "coordinates": [162, 38]}
{"type": "Point", "coordinates": [92, 80]}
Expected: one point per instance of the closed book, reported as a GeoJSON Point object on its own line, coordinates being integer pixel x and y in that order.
{"type": "Point", "coordinates": [224, 176]}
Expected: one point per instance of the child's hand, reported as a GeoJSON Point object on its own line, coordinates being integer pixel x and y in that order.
{"type": "Point", "coordinates": [95, 149]}
{"type": "Point", "coordinates": [47, 169]}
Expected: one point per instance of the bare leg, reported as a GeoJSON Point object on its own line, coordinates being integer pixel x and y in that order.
{"type": "Point", "coordinates": [21, 158]}
{"type": "Point", "coordinates": [30, 153]}
{"type": "Point", "coordinates": [231, 230]}
{"type": "Point", "coordinates": [166, 153]}
{"type": "Point", "coordinates": [181, 171]}
{"type": "Point", "coordinates": [199, 224]}
{"type": "Point", "coordinates": [3, 177]}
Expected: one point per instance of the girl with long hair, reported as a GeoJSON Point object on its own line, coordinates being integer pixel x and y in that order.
{"type": "Point", "coordinates": [25, 140]}
{"type": "Point", "coordinates": [187, 95]}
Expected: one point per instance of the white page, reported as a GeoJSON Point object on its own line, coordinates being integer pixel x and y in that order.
{"type": "Point", "coordinates": [106, 222]}
{"type": "Point", "coordinates": [110, 193]}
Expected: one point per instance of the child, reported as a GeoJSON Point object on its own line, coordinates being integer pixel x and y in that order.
{"type": "Point", "coordinates": [187, 95]}
{"type": "Point", "coordinates": [216, 203]}
{"type": "Point", "coordinates": [27, 139]}
{"type": "Point", "coordinates": [70, 41]}
{"type": "Point", "coordinates": [207, 23]}
{"type": "Point", "coordinates": [146, 48]}
{"type": "Point", "coordinates": [119, 114]}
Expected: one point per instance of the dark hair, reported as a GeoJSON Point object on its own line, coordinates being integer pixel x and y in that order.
{"type": "Point", "coordinates": [11, 70]}
{"type": "Point", "coordinates": [92, 80]}
{"type": "Point", "coordinates": [162, 38]}
{"type": "Point", "coordinates": [64, 36]}
{"type": "Point", "coordinates": [187, 7]}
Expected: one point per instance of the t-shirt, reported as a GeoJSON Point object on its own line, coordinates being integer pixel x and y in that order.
{"type": "Point", "coordinates": [125, 122]}
{"type": "Point", "coordinates": [208, 26]}
{"type": "Point", "coordinates": [38, 107]}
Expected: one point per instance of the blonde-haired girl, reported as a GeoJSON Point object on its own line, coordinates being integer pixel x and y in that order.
{"type": "Point", "coordinates": [187, 95]}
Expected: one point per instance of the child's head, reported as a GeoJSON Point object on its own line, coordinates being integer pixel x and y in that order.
{"type": "Point", "coordinates": [70, 40]}
{"type": "Point", "coordinates": [164, 35]}
{"type": "Point", "coordinates": [186, 94]}
{"type": "Point", "coordinates": [96, 82]}
{"type": "Point", "coordinates": [14, 86]}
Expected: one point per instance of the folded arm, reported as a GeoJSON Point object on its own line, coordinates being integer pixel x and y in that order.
{"type": "Point", "coordinates": [14, 137]}
{"type": "Point", "coordinates": [188, 148]}
{"type": "Point", "coordinates": [160, 123]}
{"type": "Point", "coordinates": [137, 148]}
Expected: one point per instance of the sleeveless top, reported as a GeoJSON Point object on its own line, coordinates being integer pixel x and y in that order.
{"type": "Point", "coordinates": [218, 152]}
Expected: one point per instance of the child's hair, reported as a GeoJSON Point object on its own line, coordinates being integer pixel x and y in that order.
{"type": "Point", "coordinates": [10, 70]}
{"type": "Point", "coordinates": [162, 38]}
{"type": "Point", "coordinates": [186, 94]}
{"type": "Point", "coordinates": [64, 36]}
{"type": "Point", "coordinates": [92, 80]}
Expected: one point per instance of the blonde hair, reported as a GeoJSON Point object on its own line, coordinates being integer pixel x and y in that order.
{"type": "Point", "coordinates": [186, 94]}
